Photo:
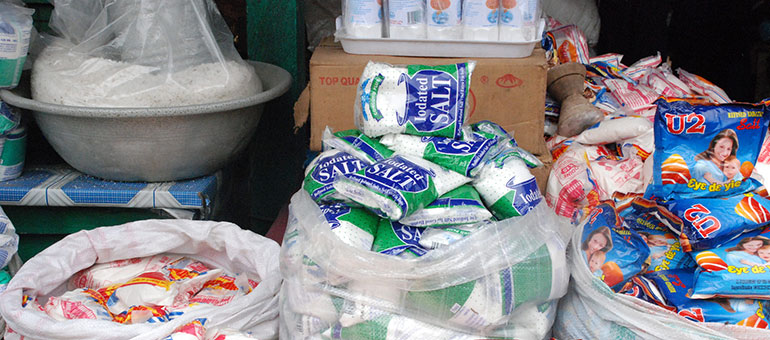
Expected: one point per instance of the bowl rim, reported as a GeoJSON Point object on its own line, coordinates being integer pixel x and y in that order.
{"type": "Point", "coordinates": [275, 79]}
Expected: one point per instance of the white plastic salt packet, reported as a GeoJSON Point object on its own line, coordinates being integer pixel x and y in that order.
{"type": "Point", "coordinates": [413, 99]}
{"type": "Point", "coordinates": [407, 19]}
{"type": "Point", "coordinates": [354, 226]}
{"type": "Point", "coordinates": [507, 186]}
{"type": "Point", "coordinates": [76, 304]}
{"type": "Point", "coordinates": [615, 130]}
{"type": "Point", "coordinates": [460, 206]}
{"type": "Point", "coordinates": [480, 21]}
{"type": "Point", "coordinates": [398, 186]}
{"type": "Point", "coordinates": [105, 274]}
{"type": "Point", "coordinates": [444, 19]}
{"type": "Point", "coordinates": [362, 18]}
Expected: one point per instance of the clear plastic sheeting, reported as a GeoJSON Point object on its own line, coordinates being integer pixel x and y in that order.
{"type": "Point", "coordinates": [501, 281]}
{"type": "Point", "coordinates": [137, 53]}
{"type": "Point", "coordinates": [591, 310]}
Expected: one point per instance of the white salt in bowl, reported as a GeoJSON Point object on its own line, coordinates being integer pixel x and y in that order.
{"type": "Point", "coordinates": [154, 144]}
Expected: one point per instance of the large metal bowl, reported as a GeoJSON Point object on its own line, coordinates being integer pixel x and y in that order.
{"type": "Point", "coordinates": [154, 144]}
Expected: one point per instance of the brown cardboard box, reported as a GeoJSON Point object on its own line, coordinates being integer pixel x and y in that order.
{"type": "Point", "coordinates": [507, 91]}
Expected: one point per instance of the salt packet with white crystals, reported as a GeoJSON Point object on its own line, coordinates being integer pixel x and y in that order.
{"type": "Point", "coordinates": [507, 187]}
{"type": "Point", "coordinates": [464, 157]}
{"type": "Point", "coordinates": [354, 226]}
{"type": "Point", "coordinates": [357, 144]}
{"type": "Point", "coordinates": [506, 142]}
{"type": "Point", "coordinates": [105, 274]}
{"type": "Point", "coordinates": [320, 174]}
{"type": "Point", "coordinates": [396, 239]}
{"type": "Point", "coordinates": [398, 186]}
{"type": "Point", "coordinates": [413, 99]}
{"type": "Point", "coordinates": [457, 207]}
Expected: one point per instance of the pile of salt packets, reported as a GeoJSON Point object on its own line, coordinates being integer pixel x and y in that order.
{"type": "Point", "coordinates": [404, 195]}
{"type": "Point", "coordinates": [670, 192]}
{"type": "Point", "coordinates": [404, 185]}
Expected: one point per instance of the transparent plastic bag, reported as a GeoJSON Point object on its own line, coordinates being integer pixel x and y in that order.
{"type": "Point", "coordinates": [487, 284]}
{"type": "Point", "coordinates": [140, 53]}
{"type": "Point", "coordinates": [591, 310]}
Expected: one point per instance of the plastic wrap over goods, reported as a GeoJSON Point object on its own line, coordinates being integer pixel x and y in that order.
{"type": "Point", "coordinates": [501, 281]}
{"type": "Point", "coordinates": [591, 310]}
{"type": "Point", "coordinates": [216, 244]}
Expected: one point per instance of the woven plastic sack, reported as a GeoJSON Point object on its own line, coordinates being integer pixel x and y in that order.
{"type": "Point", "coordinates": [591, 310]}
{"type": "Point", "coordinates": [216, 244]}
{"type": "Point", "coordinates": [500, 281]}
{"type": "Point", "coordinates": [140, 53]}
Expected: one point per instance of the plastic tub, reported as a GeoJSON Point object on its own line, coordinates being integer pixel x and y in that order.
{"type": "Point", "coordinates": [437, 48]}
{"type": "Point", "coordinates": [154, 144]}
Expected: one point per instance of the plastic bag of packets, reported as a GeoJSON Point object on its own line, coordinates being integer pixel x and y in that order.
{"type": "Point", "coordinates": [501, 281]}
{"type": "Point", "coordinates": [592, 310]}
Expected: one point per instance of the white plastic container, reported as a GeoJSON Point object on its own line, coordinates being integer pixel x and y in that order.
{"type": "Point", "coordinates": [437, 48]}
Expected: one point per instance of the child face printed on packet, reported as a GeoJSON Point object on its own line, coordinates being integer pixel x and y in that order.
{"type": "Point", "coordinates": [705, 150]}
{"type": "Point", "coordinates": [739, 269]}
{"type": "Point", "coordinates": [652, 223]}
{"type": "Point", "coordinates": [612, 252]}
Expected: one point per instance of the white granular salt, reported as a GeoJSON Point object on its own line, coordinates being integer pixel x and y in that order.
{"type": "Point", "coordinates": [59, 77]}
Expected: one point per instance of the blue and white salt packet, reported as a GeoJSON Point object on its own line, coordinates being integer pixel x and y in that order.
{"type": "Point", "coordinates": [357, 144]}
{"type": "Point", "coordinates": [507, 187]}
{"type": "Point", "coordinates": [464, 157]}
{"type": "Point", "coordinates": [738, 269]}
{"type": "Point", "coordinates": [398, 186]}
{"type": "Point", "coordinates": [320, 174]}
{"type": "Point", "coordinates": [396, 239]}
{"type": "Point", "coordinates": [705, 150]}
{"type": "Point", "coordinates": [413, 99]}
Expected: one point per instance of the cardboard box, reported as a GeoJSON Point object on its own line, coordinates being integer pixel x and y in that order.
{"type": "Point", "coordinates": [507, 91]}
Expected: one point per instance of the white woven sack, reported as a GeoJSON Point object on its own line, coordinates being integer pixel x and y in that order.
{"type": "Point", "coordinates": [591, 310]}
{"type": "Point", "coordinates": [218, 244]}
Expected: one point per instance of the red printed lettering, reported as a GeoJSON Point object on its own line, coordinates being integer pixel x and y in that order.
{"type": "Point", "coordinates": [696, 314]}
{"type": "Point", "coordinates": [693, 123]}
{"type": "Point", "coordinates": [705, 224]}
{"type": "Point", "coordinates": [748, 126]}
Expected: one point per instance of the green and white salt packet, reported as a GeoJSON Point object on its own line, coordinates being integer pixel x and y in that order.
{"type": "Point", "coordinates": [434, 238]}
{"type": "Point", "coordinates": [413, 99]}
{"type": "Point", "coordinates": [464, 157]}
{"type": "Point", "coordinates": [488, 129]}
{"type": "Point", "coordinates": [507, 187]}
{"type": "Point", "coordinates": [355, 227]}
{"type": "Point", "coordinates": [320, 174]}
{"type": "Point", "coordinates": [398, 186]}
{"type": "Point", "coordinates": [357, 144]}
{"type": "Point", "coordinates": [491, 299]}
{"type": "Point", "coordinates": [458, 207]}
{"type": "Point", "coordinates": [400, 240]}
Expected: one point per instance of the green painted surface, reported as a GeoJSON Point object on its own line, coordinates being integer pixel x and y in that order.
{"type": "Point", "coordinates": [275, 156]}
{"type": "Point", "coordinates": [40, 227]}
